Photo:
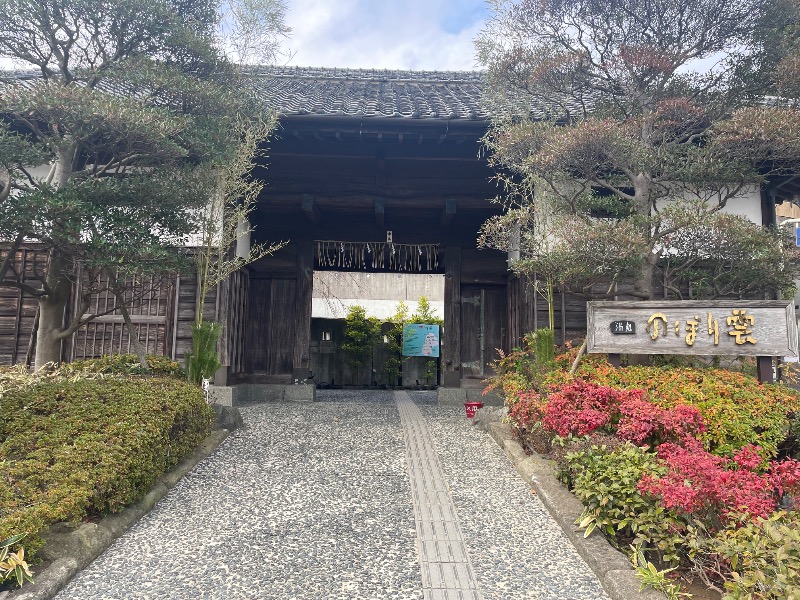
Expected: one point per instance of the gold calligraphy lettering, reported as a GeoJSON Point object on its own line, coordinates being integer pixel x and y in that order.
{"type": "Point", "coordinates": [654, 326]}
{"type": "Point", "coordinates": [713, 328]}
{"type": "Point", "coordinates": [741, 323]}
{"type": "Point", "coordinates": [691, 327]}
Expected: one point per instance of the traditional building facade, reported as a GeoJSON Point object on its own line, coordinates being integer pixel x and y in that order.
{"type": "Point", "coordinates": [371, 172]}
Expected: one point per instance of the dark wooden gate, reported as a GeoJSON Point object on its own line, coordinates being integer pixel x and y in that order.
{"type": "Point", "coordinates": [483, 318]}
{"type": "Point", "coordinates": [270, 332]}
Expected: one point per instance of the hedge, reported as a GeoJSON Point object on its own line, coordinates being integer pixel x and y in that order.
{"type": "Point", "coordinates": [76, 449]}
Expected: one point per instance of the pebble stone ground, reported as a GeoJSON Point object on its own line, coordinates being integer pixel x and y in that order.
{"type": "Point", "coordinates": [314, 501]}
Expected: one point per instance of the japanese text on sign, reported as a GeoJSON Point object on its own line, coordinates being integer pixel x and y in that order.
{"type": "Point", "coordinates": [735, 327]}
{"type": "Point", "coordinates": [739, 323]}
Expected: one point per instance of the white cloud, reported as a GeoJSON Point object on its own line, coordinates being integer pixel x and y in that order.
{"type": "Point", "coordinates": [380, 34]}
{"type": "Point", "coordinates": [410, 34]}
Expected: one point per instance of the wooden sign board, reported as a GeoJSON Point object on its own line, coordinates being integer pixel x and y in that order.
{"type": "Point", "coordinates": [724, 327]}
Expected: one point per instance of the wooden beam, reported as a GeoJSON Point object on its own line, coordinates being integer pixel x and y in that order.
{"type": "Point", "coordinates": [451, 348]}
{"type": "Point", "coordinates": [764, 369]}
{"type": "Point", "coordinates": [449, 213]}
{"type": "Point", "coordinates": [301, 363]}
{"type": "Point", "coordinates": [380, 211]}
{"type": "Point", "coordinates": [310, 209]}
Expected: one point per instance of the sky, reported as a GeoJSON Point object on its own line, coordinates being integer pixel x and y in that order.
{"type": "Point", "coordinates": [385, 34]}
{"type": "Point", "coordinates": [381, 34]}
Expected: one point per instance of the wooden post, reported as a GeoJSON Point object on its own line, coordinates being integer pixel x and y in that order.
{"type": "Point", "coordinates": [302, 320]}
{"type": "Point", "coordinates": [764, 369]}
{"type": "Point", "coordinates": [451, 376]}
{"type": "Point", "coordinates": [223, 318]}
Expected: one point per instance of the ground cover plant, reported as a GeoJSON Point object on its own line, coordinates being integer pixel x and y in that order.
{"type": "Point", "coordinates": [689, 470]}
{"type": "Point", "coordinates": [78, 443]}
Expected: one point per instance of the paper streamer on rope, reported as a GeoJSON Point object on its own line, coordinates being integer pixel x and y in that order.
{"type": "Point", "coordinates": [360, 256]}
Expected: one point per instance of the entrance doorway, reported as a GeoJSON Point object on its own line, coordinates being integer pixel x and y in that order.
{"type": "Point", "coordinates": [386, 299]}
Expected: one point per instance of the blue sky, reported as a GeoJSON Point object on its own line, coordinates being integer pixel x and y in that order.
{"type": "Point", "coordinates": [385, 34]}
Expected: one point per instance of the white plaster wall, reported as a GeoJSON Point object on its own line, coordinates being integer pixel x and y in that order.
{"type": "Point", "coordinates": [40, 173]}
{"type": "Point", "coordinates": [379, 293]}
{"type": "Point", "coordinates": [747, 204]}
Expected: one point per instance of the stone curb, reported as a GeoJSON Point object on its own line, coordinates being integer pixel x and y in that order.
{"type": "Point", "coordinates": [612, 567]}
{"type": "Point", "coordinates": [71, 551]}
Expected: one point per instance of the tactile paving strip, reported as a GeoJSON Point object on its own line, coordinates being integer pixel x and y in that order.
{"type": "Point", "coordinates": [444, 561]}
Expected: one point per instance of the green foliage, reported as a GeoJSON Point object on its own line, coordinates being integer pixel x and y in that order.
{"type": "Point", "coordinates": [135, 110]}
{"type": "Point", "coordinates": [361, 333]}
{"type": "Point", "coordinates": [227, 215]}
{"type": "Point", "coordinates": [652, 577]}
{"type": "Point", "coordinates": [629, 130]}
{"type": "Point", "coordinates": [545, 348]}
{"type": "Point", "coordinates": [426, 315]}
{"type": "Point", "coordinates": [724, 255]}
{"type": "Point", "coordinates": [126, 364]}
{"type": "Point", "coordinates": [202, 361]}
{"type": "Point", "coordinates": [255, 29]}
{"type": "Point", "coordinates": [524, 368]}
{"type": "Point", "coordinates": [606, 483]}
{"type": "Point", "coordinates": [73, 449]}
{"type": "Point", "coordinates": [764, 557]}
{"type": "Point", "coordinates": [394, 334]}
{"type": "Point", "coordinates": [13, 565]}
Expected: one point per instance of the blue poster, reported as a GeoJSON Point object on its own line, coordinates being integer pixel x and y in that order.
{"type": "Point", "coordinates": [421, 340]}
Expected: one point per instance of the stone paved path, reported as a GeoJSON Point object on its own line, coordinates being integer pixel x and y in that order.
{"type": "Point", "coordinates": [362, 495]}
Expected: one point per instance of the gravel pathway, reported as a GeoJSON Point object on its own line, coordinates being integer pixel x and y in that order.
{"type": "Point", "coordinates": [314, 501]}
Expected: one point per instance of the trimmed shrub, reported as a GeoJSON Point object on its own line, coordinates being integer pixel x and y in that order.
{"type": "Point", "coordinates": [81, 448]}
{"type": "Point", "coordinates": [126, 364]}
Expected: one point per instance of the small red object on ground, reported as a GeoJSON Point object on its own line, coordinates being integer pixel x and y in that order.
{"type": "Point", "coordinates": [472, 408]}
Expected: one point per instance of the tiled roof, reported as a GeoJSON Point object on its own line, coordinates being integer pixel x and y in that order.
{"type": "Point", "coordinates": [372, 93]}
{"type": "Point", "coordinates": [369, 93]}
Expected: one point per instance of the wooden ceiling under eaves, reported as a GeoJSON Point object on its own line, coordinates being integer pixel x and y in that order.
{"type": "Point", "coordinates": [363, 176]}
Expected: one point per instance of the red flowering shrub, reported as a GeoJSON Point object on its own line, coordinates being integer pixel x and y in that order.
{"type": "Point", "coordinates": [737, 410]}
{"type": "Point", "coordinates": [749, 457]}
{"type": "Point", "coordinates": [710, 487]}
{"type": "Point", "coordinates": [644, 422]}
{"type": "Point", "coordinates": [526, 410]}
{"type": "Point", "coordinates": [582, 407]}
{"type": "Point", "coordinates": [785, 477]}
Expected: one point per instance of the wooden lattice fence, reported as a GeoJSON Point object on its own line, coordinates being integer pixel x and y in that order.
{"type": "Point", "coordinates": [162, 310]}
